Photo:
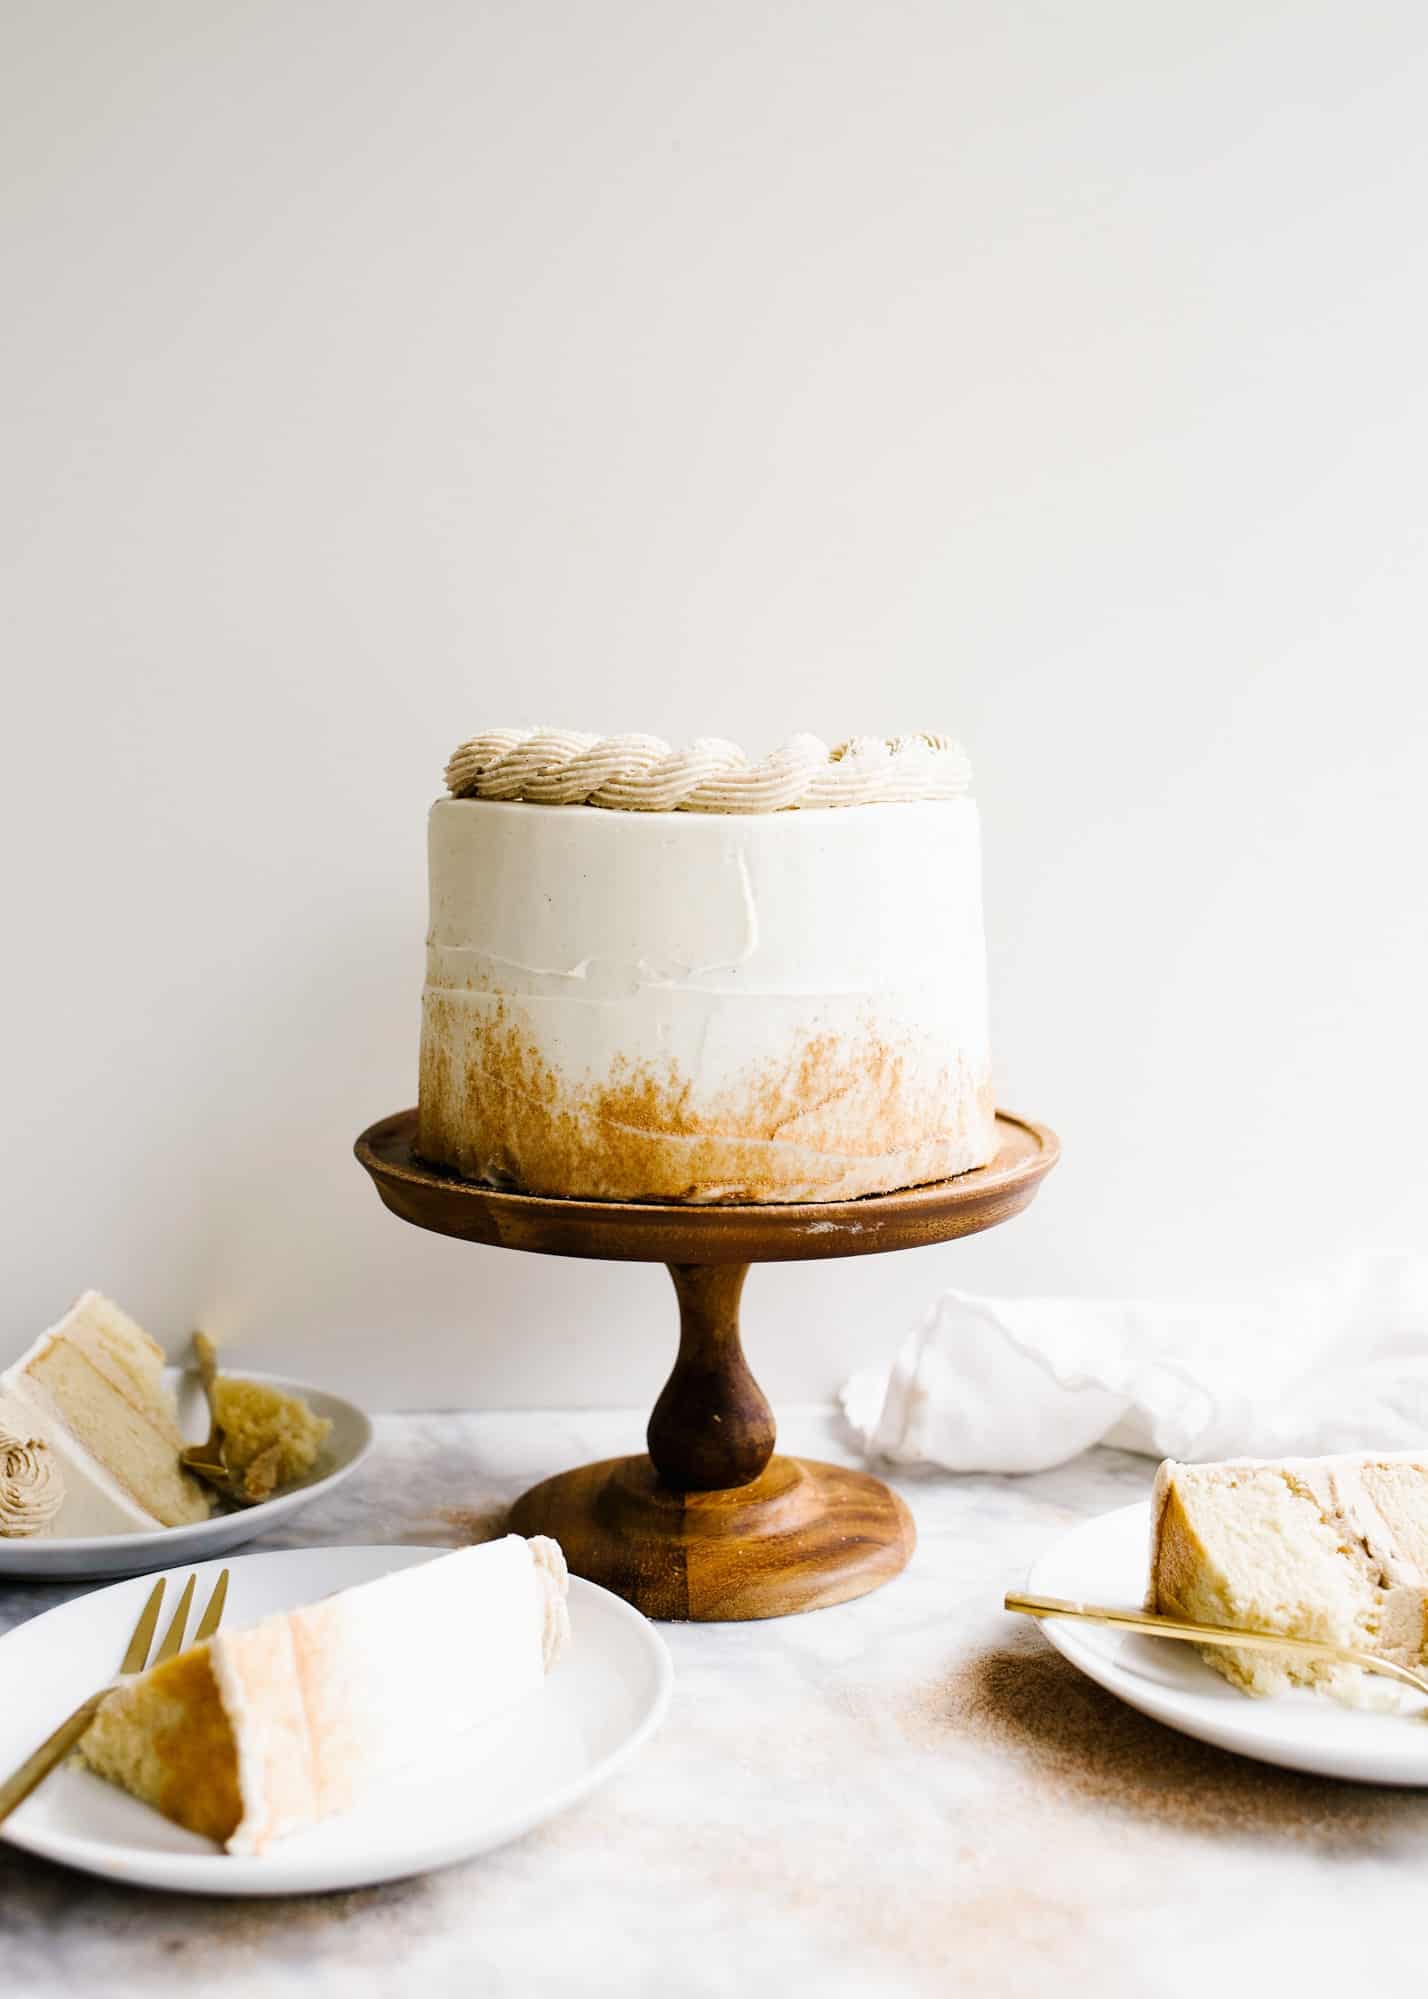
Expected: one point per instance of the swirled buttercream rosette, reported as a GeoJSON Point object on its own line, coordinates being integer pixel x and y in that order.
{"type": "Point", "coordinates": [31, 1485]}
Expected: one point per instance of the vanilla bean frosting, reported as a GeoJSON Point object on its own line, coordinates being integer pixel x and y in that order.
{"type": "Point", "coordinates": [31, 1485]}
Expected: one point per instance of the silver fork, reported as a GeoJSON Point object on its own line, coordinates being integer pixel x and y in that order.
{"type": "Point", "coordinates": [56, 1746]}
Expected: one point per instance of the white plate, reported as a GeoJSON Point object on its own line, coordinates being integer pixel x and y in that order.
{"type": "Point", "coordinates": [348, 1443]}
{"type": "Point", "coordinates": [1105, 1562]}
{"type": "Point", "coordinates": [604, 1697]}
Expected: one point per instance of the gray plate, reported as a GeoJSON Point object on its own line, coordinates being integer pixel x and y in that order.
{"type": "Point", "coordinates": [135, 1554]}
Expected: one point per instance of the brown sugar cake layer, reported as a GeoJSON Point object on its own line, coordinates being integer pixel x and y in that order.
{"type": "Point", "coordinates": [716, 1003]}
{"type": "Point", "coordinates": [1329, 1548]}
{"type": "Point", "coordinates": [256, 1734]}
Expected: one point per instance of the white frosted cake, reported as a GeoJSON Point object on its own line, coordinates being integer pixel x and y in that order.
{"type": "Point", "coordinates": [1329, 1548]}
{"type": "Point", "coordinates": [90, 1396]}
{"type": "Point", "coordinates": [677, 976]}
{"type": "Point", "coordinates": [255, 1734]}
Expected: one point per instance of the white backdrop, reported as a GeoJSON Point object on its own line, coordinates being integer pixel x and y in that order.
{"type": "Point", "coordinates": [380, 370]}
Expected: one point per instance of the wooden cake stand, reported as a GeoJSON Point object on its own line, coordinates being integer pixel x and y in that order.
{"type": "Point", "coordinates": [711, 1524]}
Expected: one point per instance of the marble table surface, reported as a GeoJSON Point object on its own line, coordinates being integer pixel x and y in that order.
{"type": "Point", "coordinates": [909, 1794]}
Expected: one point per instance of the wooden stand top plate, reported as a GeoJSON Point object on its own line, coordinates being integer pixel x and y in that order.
{"type": "Point", "coordinates": [660, 1232]}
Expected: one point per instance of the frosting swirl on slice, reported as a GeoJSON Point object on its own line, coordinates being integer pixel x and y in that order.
{"type": "Point", "coordinates": [31, 1485]}
{"type": "Point", "coordinates": [636, 773]}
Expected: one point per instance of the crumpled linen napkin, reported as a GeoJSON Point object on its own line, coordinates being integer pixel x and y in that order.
{"type": "Point", "coordinates": [1331, 1362]}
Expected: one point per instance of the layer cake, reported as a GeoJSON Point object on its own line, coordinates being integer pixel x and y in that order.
{"type": "Point", "coordinates": [678, 976]}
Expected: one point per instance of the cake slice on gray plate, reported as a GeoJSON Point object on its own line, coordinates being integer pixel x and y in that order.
{"type": "Point", "coordinates": [92, 1390]}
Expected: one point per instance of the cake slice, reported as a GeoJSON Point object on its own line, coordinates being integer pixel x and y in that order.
{"type": "Point", "coordinates": [1330, 1548]}
{"type": "Point", "coordinates": [92, 1389]}
{"type": "Point", "coordinates": [257, 1733]}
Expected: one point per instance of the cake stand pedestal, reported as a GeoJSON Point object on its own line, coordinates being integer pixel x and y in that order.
{"type": "Point", "coordinates": [712, 1525]}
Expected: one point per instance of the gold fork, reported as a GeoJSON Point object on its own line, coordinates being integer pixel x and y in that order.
{"type": "Point", "coordinates": [56, 1746]}
{"type": "Point", "coordinates": [1155, 1626]}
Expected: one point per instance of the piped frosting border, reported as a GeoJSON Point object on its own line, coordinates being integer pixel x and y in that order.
{"type": "Point", "coordinates": [637, 773]}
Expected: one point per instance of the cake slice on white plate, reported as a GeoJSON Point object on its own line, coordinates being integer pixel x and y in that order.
{"type": "Point", "coordinates": [1330, 1548]}
{"type": "Point", "coordinates": [255, 1734]}
{"type": "Point", "coordinates": [92, 1390]}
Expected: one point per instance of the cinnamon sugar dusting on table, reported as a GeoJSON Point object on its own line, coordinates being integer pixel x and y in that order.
{"type": "Point", "coordinates": [466, 1525]}
{"type": "Point", "coordinates": [1078, 1745]}
{"type": "Point", "coordinates": [859, 1110]}
{"type": "Point", "coordinates": [925, 1908]}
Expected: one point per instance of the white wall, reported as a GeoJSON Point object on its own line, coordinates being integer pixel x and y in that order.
{"type": "Point", "coordinates": [380, 372]}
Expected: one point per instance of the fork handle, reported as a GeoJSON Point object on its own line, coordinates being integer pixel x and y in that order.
{"type": "Point", "coordinates": [1155, 1625]}
{"type": "Point", "coordinates": [51, 1751]}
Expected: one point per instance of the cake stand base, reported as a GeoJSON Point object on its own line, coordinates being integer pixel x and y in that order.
{"type": "Point", "coordinates": [800, 1535]}
{"type": "Point", "coordinates": [711, 1525]}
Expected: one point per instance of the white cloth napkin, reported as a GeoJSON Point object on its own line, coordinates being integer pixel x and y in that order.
{"type": "Point", "coordinates": [1335, 1362]}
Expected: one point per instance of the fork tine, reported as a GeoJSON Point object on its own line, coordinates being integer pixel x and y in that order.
{"type": "Point", "coordinates": [173, 1637]}
{"type": "Point", "coordinates": [138, 1652]}
{"type": "Point", "coordinates": [213, 1616]}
